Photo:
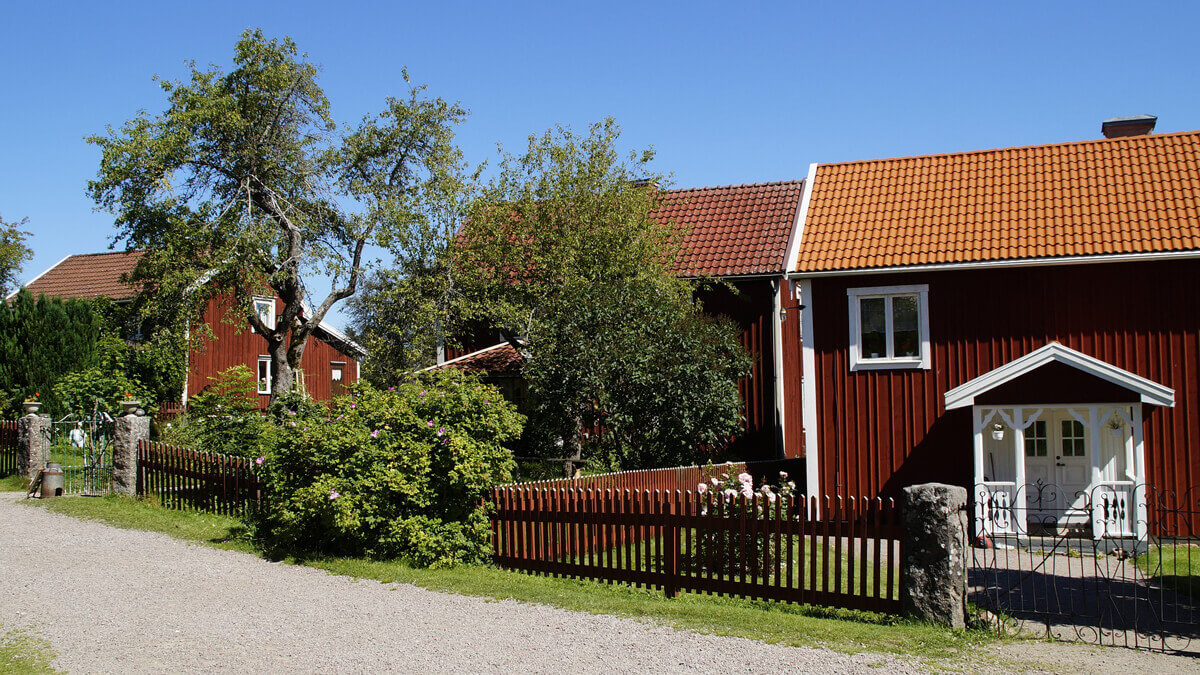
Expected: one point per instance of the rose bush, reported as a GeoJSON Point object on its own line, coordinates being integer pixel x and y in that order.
{"type": "Point", "coordinates": [730, 495]}
{"type": "Point", "coordinates": [395, 473]}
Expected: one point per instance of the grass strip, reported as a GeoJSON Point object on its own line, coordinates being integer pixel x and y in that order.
{"type": "Point", "coordinates": [846, 631]}
{"type": "Point", "coordinates": [24, 652]}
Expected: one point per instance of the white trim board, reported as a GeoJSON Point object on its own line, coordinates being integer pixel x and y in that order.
{"type": "Point", "coordinates": [1148, 391]}
{"type": "Point", "coordinates": [793, 246]}
{"type": "Point", "coordinates": [808, 392]}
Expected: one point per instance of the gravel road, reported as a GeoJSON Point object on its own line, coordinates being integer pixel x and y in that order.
{"type": "Point", "coordinates": [111, 600]}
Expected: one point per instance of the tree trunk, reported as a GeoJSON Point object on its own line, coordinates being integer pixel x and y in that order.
{"type": "Point", "coordinates": [283, 377]}
{"type": "Point", "coordinates": [573, 447]}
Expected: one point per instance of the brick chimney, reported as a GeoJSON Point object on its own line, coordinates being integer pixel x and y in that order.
{"type": "Point", "coordinates": [1134, 125]}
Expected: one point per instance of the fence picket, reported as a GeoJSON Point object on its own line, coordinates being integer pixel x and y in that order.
{"type": "Point", "coordinates": [683, 541]}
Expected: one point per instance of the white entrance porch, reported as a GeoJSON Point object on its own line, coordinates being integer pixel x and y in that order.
{"type": "Point", "coordinates": [1062, 466]}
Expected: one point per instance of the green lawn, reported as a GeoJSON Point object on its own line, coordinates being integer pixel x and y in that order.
{"type": "Point", "coordinates": [1177, 566]}
{"type": "Point", "coordinates": [13, 483]}
{"type": "Point", "coordinates": [793, 625]}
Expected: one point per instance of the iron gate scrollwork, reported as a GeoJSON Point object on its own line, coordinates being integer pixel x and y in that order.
{"type": "Point", "coordinates": [82, 446]}
{"type": "Point", "coordinates": [1111, 565]}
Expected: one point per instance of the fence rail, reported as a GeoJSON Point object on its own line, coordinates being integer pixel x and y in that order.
{"type": "Point", "coordinates": [674, 478]}
{"type": "Point", "coordinates": [8, 447]}
{"type": "Point", "coordinates": [835, 552]}
{"type": "Point", "coordinates": [204, 481]}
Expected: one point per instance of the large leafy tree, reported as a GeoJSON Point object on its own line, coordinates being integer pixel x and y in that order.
{"type": "Point", "coordinates": [14, 253]}
{"type": "Point", "coordinates": [242, 185]}
{"type": "Point", "coordinates": [562, 253]}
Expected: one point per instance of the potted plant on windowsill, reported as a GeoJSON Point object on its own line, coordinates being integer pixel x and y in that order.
{"type": "Point", "coordinates": [31, 405]}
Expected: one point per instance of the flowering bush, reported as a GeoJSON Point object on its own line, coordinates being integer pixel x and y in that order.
{"type": "Point", "coordinates": [395, 473]}
{"type": "Point", "coordinates": [732, 496]}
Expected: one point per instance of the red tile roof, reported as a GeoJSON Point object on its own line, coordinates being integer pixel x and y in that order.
{"type": "Point", "coordinates": [1138, 194]}
{"type": "Point", "coordinates": [735, 229]}
{"type": "Point", "coordinates": [92, 275]}
{"type": "Point", "coordinates": [500, 358]}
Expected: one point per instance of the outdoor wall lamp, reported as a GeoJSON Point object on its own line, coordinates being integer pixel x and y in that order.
{"type": "Point", "coordinates": [998, 431]}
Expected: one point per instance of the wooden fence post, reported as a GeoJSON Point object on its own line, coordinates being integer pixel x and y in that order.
{"type": "Point", "coordinates": [671, 537]}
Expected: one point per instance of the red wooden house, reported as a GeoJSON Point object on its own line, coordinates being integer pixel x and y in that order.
{"type": "Point", "coordinates": [1008, 319]}
{"type": "Point", "coordinates": [330, 362]}
{"type": "Point", "coordinates": [737, 233]}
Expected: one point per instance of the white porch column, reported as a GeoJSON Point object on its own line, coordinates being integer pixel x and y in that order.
{"type": "Point", "coordinates": [1093, 488]}
{"type": "Point", "coordinates": [1140, 486]}
{"type": "Point", "coordinates": [1020, 493]}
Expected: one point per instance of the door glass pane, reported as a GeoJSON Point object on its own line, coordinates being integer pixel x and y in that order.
{"type": "Point", "coordinates": [873, 324]}
{"type": "Point", "coordinates": [1072, 438]}
{"type": "Point", "coordinates": [904, 326]}
{"type": "Point", "coordinates": [1035, 439]}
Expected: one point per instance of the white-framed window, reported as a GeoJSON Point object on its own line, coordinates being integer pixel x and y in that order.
{"type": "Point", "coordinates": [264, 374]}
{"type": "Point", "coordinates": [264, 307]}
{"type": "Point", "coordinates": [889, 327]}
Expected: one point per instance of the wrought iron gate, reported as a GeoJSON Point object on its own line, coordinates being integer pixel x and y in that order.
{"type": "Point", "coordinates": [82, 445]}
{"type": "Point", "coordinates": [1070, 571]}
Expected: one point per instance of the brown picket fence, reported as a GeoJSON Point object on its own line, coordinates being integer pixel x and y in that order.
{"type": "Point", "coordinates": [834, 552]}
{"type": "Point", "coordinates": [8, 447]}
{"type": "Point", "coordinates": [202, 481]}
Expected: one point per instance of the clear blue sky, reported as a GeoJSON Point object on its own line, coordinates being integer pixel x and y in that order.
{"type": "Point", "coordinates": [726, 92]}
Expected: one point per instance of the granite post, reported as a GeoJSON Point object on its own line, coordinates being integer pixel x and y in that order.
{"type": "Point", "coordinates": [933, 572]}
{"type": "Point", "coordinates": [130, 428]}
{"type": "Point", "coordinates": [33, 445]}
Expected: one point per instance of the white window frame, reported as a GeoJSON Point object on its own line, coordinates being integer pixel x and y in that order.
{"type": "Point", "coordinates": [857, 295]}
{"type": "Point", "coordinates": [264, 386]}
{"type": "Point", "coordinates": [269, 319]}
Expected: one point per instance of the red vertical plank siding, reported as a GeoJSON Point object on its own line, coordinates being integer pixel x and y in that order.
{"type": "Point", "coordinates": [793, 420]}
{"type": "Point", "coordinates": [751, 308]}
{"type": "Point", "coordinates": [235, 344]}
{"type": "Point", "coordinates": [882, 430]}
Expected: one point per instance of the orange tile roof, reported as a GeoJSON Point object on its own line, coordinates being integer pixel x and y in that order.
{"type": "Point", "coordinates": [735, 229]}
{"type": "Point", "coordinates": [1137, 194]}
{"type": "Point", "coordinates": [92, 275]}
{"type": "Point", "coordinates": [497, 359]}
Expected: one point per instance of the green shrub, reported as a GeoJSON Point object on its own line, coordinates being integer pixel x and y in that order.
{"type": "Point", "coordinates": [391, 474]}
{"type": "Point", "coordinates": [224, 417]}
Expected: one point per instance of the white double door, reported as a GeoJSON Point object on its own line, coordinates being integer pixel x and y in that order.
{"type": "Point", "coordinates": [1058, 468]}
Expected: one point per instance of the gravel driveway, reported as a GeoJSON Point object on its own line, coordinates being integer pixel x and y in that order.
{"type": "Point", "coordinates": [112, 600]}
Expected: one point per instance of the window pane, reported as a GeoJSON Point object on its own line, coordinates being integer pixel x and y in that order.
{"type": "Point", "coordinates": [264, 376]}
{"type": "Point", "coordinates": [904, 326]}
{"type": "Point", "coordinates": [1072, 438]}
{"type": "Point", "coordinates": [1035, 439]}
{"type": "Point", "coordinates": [873, 326]}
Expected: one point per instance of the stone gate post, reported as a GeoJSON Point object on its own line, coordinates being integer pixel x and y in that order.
{"type": "Point", "coordinates": [33, 445]}
{"type": "Point", "coordinates": [933, 572]}
{"type": "Point", "coordinates": [129, 428]}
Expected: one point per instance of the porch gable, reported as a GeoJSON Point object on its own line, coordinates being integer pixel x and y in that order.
{"type": "Point", "coordinates": [1146, 390]}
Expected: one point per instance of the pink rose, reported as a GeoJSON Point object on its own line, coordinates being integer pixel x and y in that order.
{"type": "Point", "coordinates": [702, 488]}
{"type": "Point", "coordinates": [333, 494]}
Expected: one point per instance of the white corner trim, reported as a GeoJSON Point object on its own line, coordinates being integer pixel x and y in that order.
{"type": "Point", "coordinates": [793, 247]}
{"type": "Point", "coordinates": [777, 347]}
{"type": "Point", "coordinates": [1148, 391]}
{"type": "Point", "coordinates": [922, 361]}
{"type": "Point", "coordinates": [808, 388]}
{"type": "Point", "coordinates": [12, 295]}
